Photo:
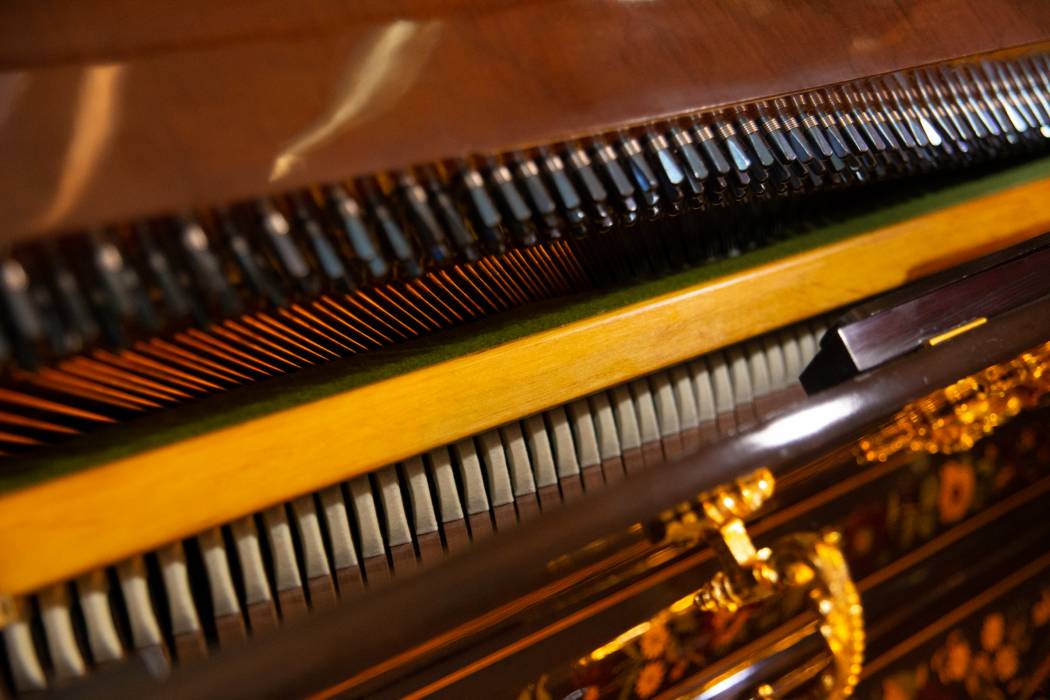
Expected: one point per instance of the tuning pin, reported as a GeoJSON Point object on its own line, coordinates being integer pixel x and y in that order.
{"type": "Point", "coordinates": [960, 85]}
{"type": "Point", "coordinates": [974, 119]}
{"type": "Point", "coordinates": [60, 337]}
{"type": "Point", "coordinates": [833, 138]}
{"type": "Point", "coordinates": [1016, 101]}
{"type": "Point", "coordinates": [738, 156]}
{"type": "Point", "coordinates": [1038, 83]}
{"type": "Point", "coordinates": [641, 175]}
{"type": "Point", "coordinates": [289, 257]}
{"type": "Point", "coordinates": [908, 119]}
{"type": "Point", "coordinates": [1041, 65]}
{"type": "Point", "coordinates": [539, 198]}
{"type": "Point", "coordinates": [70, 299]}
{"type": "Point", "coordinates": [389, 228]}
{"type": "Point", "coordinates": [25, 322]}
{"type": "Point", "coordinates": [616, 180]}
{"type": "Point", "coordinates": [590, 185]}
{"type": "Point", "coordinates": [880, 122]}
{"type": "Point", "coordinates": [646, 192]}
{"type": "Point", "coordinates": [923, 94]}
{"type": "Point", "coordinates": [856, 124]}
{"type": "Point", "coordinates": [253, 271]}
{"type": "Point", "coordinates": [331, 266]}
{"type": "Point", "coordinates": [485, 216]}
{"type": "Point", "coordinates": [783, 127]}
{"type": "Point", "coordinates": [937, 133]}
{"type": "Point", "coordinates": [832, 121]}
{"type": "Point", "coordinates": [568, 198]}
{"type": "Point", "coordinates": [813, 127]}
{"type": "Point", "coordinates": [793, 129]}
{"type": "Point", "coordinates": [704, 135]}
{"type": "Point", "coordinates": [108, 265]}
{"type": "Point", "coordinates": [1038, 98]}
{"type": "Point", "coordinates": [937, 93]}
{"type": "Point", "coordinates": [176, 301]}
{"type": "Point", "coordinates": [347, 212]}
{"type": "Point", "coordinates": [438, 195]}
{"type": "Point", "coordinates": [515, 212]}
{"type": "Point", "coordinates": [891, 115]}
{"type": "Point", "coordinates": [753, 133]}
{"type": "Point", "coordinates": [428, 230]}
{"type": "Point", "coordinates": [669, 171]}
{"type": "Point", "coordinates": [1008, 118]}
{"type": "Point", "coordinates": [120, 298]}
{"type": "Point", "coordinates": [694, 168]}
{"type": "Point", "coordinates": [774, 131]}
{"type": "Point", "coordinates": [206, 268]}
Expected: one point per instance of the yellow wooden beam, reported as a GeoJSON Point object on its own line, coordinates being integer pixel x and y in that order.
{"type": "Point", "coordinates": [65, 526]}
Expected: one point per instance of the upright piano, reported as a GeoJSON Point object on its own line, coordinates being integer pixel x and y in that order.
{"type": "Point", "coordinates": [541, 350]}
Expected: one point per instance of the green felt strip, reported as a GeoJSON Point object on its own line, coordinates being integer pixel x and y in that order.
{"type": "Point", "coordinates": [342, 375]}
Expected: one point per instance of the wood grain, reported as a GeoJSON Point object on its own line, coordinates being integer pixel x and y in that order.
{"type": "Point", "coordinates": [65, 526]}
{"type": "Point", "coordinates": [109, 111]}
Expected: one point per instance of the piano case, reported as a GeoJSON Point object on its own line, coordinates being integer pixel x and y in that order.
{"type": "Point", "coordinates": [885, 537]}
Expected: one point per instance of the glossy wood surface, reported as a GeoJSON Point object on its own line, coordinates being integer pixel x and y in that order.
{"type": "Point", "coordinates": [64, 526]}
{"type": "Point", "coordinates": [935, 311]}
{"type": "Point", "coordinates": [110, 110]}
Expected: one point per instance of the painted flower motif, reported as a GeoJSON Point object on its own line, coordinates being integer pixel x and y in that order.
{"type": "Point", "coordinates": [922, 674]}
{"type": "Point", "coordinates": [958, 659]}
{"type": "Point", "coordinates": [982, 665]}
{"type": "Point", "coordinates": [1016, 632]}
{"type": "Point", "coordinates": [678, 670]}
{"type": "Point", "coordinates": [937, 662]}
{"type": "Point", "coordinates": [649, 680]}
{"type": "Point", "coordinates": [1006, 663]}
{"type": "Point", "coordinates": [1004, 476]}
{"type": "Point", "coordinates": [973, 685]}
{"type": "Point", "coordinates": [928, 493]}
{"type": "Point", "coordinates": [993, 631]}
{"type": "Point", "coordinates": [907, 528]}
{"type": "Point", "coordinates": [991, 452]}
{"type": "Point", "coordinates": [590, 693]}
{"type": "Point", "coordinates": [862, 540]}
{"type": "Point", "coordinates": [654, 641]}
{"type": "Point", "coordinates": [1041, 610]}
{"type": "Point", "coordinates": [956, 492]}
{"type": "Point", "coordinates": [891, 690]}
{"type": "Point", "coordinates": [1028, 439]}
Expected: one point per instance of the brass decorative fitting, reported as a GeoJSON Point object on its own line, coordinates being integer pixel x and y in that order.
{"type": "Point", "coordinates": [809, 561]}
{"type": "Point", "coordinates": [954, 418]}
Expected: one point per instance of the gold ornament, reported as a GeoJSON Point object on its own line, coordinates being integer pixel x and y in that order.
{"type": "Point", "coordinates": [953, 419]}
{"type": "Point", "coordinates": [808, 561]}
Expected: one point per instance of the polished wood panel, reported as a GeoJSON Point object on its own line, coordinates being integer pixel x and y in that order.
{"type": "Point", "coordinates": [939, 311]}
{"type": "Point", "coordinates": [110, 110]}
{"type": "Point", "coordinates": [65, 526]}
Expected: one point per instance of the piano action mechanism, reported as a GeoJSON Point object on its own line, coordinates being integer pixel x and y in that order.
{"type": "Point", "coordinates": [524, 349]}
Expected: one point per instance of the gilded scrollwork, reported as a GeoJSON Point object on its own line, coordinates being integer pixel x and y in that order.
{"type": "Point", "coordinates": [954, 418]}
{"type": "Point", "coordinates": [809, 562]}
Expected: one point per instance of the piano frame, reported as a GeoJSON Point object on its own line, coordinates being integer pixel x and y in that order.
{"type": "Point", "coordinates": [145, 499]}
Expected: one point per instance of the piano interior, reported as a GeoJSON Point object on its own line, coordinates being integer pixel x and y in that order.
{"type": "Point", "coordinates": [542, 350]}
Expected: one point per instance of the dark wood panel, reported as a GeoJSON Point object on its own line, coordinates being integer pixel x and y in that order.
{"type": "Point", "coordinates": [905, 319]}
{"type": "Point", "coordinates": [111, 110]}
